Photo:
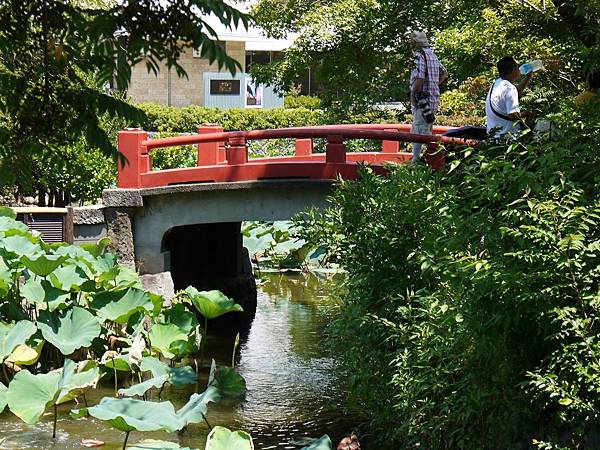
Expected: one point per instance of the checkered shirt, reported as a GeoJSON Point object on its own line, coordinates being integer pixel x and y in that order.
{"type": "Point", "coordinates": [435, 69]}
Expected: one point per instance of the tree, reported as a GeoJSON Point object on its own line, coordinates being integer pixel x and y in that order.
{"type": "Point", "coordinates": [362, 45]}
{"type": "Point", "coordinates": [57, 58]}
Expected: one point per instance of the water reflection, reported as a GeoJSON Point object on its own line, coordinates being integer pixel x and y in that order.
{"type": "Point", "coordinates": [293, 395]}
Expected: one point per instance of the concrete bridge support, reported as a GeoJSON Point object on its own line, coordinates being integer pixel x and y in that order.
{"type": "Point", "coordinates": [191, 234]}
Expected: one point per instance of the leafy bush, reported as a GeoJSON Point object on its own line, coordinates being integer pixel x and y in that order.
{"type": "Point", "coordinates": [301, 101]}
{"type": "Point", "coordinates": [471, 318]}
{"type": "Point", "coordinates": [187, 120]}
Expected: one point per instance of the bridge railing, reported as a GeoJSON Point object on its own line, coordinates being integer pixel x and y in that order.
{"type": "Point", "coordinates": [223, 156]}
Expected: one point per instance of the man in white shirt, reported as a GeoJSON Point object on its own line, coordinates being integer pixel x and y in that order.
{"type": "Point", "coordinates": [502, 104]}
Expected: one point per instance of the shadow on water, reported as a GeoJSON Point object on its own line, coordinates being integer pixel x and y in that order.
{"type": "Point", "coordinates": [293, 394]}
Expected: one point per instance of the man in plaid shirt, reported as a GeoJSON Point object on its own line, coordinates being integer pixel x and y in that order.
{"type": "Point", "coordinates": [425, 78]}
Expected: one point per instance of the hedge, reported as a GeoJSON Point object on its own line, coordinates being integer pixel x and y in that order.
{"type": "Point", "coordinates": [168, 119]}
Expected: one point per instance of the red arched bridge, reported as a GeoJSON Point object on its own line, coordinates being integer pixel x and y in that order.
{"type": "Point", "coordinates": [185, 224]}
{"type": "Point", "coordinates": [223, 156]}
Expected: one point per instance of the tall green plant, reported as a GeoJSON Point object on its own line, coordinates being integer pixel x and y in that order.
{"type": "Point", "coordinates": [471, 314]}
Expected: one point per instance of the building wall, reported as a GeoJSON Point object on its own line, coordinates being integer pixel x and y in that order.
{"type": "Point", "coordinates": [148, 87]}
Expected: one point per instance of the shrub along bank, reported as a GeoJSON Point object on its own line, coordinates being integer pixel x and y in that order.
{"type": "Point", "coordinates": [472, 318]}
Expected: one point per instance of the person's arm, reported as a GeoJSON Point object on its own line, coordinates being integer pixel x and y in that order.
{"type": "Point", "coordinates": [524, 83]}
{"type": "Point", "coordinates": [511, 102]}
{"type": "Point", "coordinates": [416, 87]}
{"type": "Point", "coordinates": [443, 74]}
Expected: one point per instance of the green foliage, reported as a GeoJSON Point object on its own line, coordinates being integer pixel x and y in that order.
{"type": "Point", "coordinates": [58, 58]}
{"type": "Point", "coordinates": [276, 244]}
{"type": "Point", "coordinates": [301, 101]}
{"type": "Point", "coordinates": [79, 301]}
{"type": "Point", "coordinates": [221, 438]}
{"type": "Point", "coordinates": [211, 304]}
{"type": "Point", "coordinates": [167, 119]}
{"type": "Point", "coordinates": [360, 52]}
{"type": "Point", "coordinates": [471, 315]}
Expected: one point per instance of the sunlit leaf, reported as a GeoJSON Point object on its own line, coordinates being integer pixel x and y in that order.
{"type": "Point", "coordinates": [13, 335]}
{"type": "Point", "coordinates": [211, 304]}
{"type": "Point", "coordinates": [118, 306]}
{"type": "Point", "coordinates": [69, 330]}
{"type": "Point", "coordinates": [221, 438]}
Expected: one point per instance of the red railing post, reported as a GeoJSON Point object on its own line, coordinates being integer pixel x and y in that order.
{"type": "Point", "coordinates": [390, 146]}
{"type": "Point", "coordinates": [237, 152]}
{"type": "Point", "coordinates": [210, 153]}
{"type": "Point", "coordinates": [335, 150]}
{"type": "Point", "coordinates": [136, 155]}
{"type": "Point", "coordinates": [304, 147]}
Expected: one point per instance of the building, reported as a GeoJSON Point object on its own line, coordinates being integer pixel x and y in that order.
{"type": "Point", "coordinates": [206, 85]}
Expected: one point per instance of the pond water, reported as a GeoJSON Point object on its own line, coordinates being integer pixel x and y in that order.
{"type": "Point", "coordinates": [293, 394]}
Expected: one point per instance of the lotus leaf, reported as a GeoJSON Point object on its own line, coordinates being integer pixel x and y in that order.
{"type": "Point", "coordinates": [153, 444]}
{"type": "Point", "coordinates": [145, 386]}
{"type": "Point", "coordinates": [178, 376]}
{"type": "Point", "coordinates": [161, 374]}
{"type": "Point", "coordinates": [178, 315]}
{"type": "Point", "coordinates": [128, 414]}
{"type": "Point", "coordinates": [221, 438]}
{"type": "Point", "coordinates": [79, 258]}
{"type": "Point", "coordinates": [8, 223]}
{"type": "Point", "coordinates": [323, 443]}
{"type": "Point", "coordinates": [3, 390]}
{"type": "Point", "coordinates": [227, 380]}
{"type": "Point", "coordinates": [211, 304]}
{"type": "Point", "coordinates": [14, 335]}
{"type": "Point", "coordinates": [26, 354]}
{"type": "Point", "coordinates": [20, 245]}
{"type": "Point", "coordinates": [197, 406]}
{"type": "Point", "coordinates": [107, 268]}
{"type": "Point", "coordinates": [70, 329]}
{"type": "Point", "coordinates": [154, 365]}
{"type": "Point", "coordinates": [5, 279]}
{"type": "Point", "coordinates": [119, 305]}
{"type": "Point", "coordinates": [162, 337]}
{"type": "Point", "coordinates": [42, 292]}
{"type": "Point", "coordinates": [69, 278]}
{"type": "Point", "coordinates": [98, 249]}
{"type": "Point", "coordinates": [256, 244]}
{"type": "Point", "coordinates": [43, 265]}
{"type": "Point", "coordinates": [158, 302]}
{"type": "Point", "coordinates": [128, 278]}
{"type": "Point", "coordinates": [29, 395]}
{"type": "Point", "coordinates": [107, 274]}
{"type": "Point", "coordinates": [75, 378]}
{"type": "Point", "coordinates": [289, 246]}
{"type": "Point", "coordinates": [113, 360]}
{"type": "Point", "coordinates": [182, 348]}
{"type": "Point", "coordinates": [5, 211]}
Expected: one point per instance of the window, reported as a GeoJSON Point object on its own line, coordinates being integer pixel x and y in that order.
{"type": "Point", "coordinates": [260, 57]}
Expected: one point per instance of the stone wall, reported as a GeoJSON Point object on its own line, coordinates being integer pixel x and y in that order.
{"type": "Point", "coordinates": [148, 87]}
